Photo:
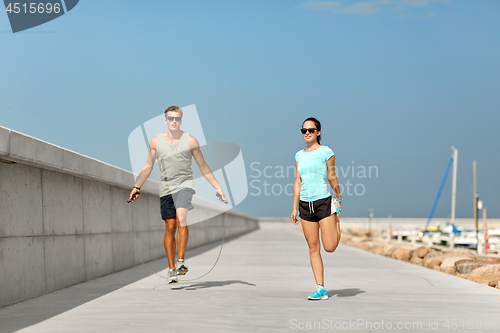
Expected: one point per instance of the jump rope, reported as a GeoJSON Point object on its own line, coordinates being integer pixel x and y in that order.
{"type": "Point", "coordinates": [183, 280]}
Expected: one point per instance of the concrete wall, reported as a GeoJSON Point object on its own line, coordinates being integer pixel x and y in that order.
{"type": "Point", "coordinates": [64, 219]}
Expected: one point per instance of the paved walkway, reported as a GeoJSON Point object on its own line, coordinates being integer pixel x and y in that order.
{"type": "Point", "coordinates": [261, 283]}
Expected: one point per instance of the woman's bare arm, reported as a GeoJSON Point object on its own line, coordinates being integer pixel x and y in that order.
{"type": "Point", "coordinates": [296, 195]}
{"type": "Point", "coordinates": [332, 178]}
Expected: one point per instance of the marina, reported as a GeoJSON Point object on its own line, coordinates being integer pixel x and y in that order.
{"type": "Point", "coordinates": [440, 232]}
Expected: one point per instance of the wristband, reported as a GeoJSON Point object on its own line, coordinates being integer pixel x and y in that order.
{"type": "Point", "coordinates": [137, 188]}
{"type": "Point", "coordinates": [339, 200]}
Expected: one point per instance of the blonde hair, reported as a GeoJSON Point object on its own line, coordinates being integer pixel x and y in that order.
{"type": "Point", "coordinates": [173, 109]}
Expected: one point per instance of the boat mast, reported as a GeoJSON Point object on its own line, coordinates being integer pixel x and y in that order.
{"type": "Point", "coordinates": [476, 196]}
{"type": "Point", "coordinates": [454, 184]}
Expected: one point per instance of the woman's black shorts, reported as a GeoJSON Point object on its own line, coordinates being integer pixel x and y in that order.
{"type": "Point", "coordinates": [181, 199]}
{"type": "Point", "coordinates": [315, 211]}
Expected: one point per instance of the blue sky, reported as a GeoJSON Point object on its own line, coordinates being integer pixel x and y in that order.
{"type": "Point", "coordinates": [395, 84]}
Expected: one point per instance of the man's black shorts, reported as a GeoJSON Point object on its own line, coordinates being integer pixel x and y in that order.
{"type": "Point", "coordinates": [181, 199]}
{"type": "Point", "coordinates": [315, 211]}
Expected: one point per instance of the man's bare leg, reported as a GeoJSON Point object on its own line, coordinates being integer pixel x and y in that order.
{"type": "Point", "coordinates": [183, 232]}
{"type": "Point", "coordinates": [169, 240]}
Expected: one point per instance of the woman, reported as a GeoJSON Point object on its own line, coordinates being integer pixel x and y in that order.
{"type": "Point", "coordinates": [318, 211]}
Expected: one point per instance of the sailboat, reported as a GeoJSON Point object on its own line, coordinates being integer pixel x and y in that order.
{"type": "Point", "coordinates": [451, 234]}
{"type": "Point", "coordinates": [453, 161]}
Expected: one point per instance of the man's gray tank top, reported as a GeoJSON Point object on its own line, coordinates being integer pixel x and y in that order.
{"type": "Point", "coordinates": [175, 165]}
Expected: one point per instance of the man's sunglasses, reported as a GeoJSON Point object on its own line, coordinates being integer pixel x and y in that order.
{"type": "Point", "coordinates": [177, 119]}
{"type": "Point", "coordinates": [310, 130]}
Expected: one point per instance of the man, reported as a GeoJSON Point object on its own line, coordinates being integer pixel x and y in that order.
{"type": "Point", "coordinates": [174, 150]}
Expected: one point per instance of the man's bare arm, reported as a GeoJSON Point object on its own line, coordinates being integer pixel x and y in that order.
{"type": "Point", "coordinates": [146, 169]}
{"type": "Point", "coordinates": [194, 146]}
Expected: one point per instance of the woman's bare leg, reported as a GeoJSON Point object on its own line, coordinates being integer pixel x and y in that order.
{"type": "Point", "coordinates": [311, 233]}
{"type": "Point", "coordinates": [330, 232]}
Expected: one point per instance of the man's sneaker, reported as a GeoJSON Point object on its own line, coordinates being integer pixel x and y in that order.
{"type": "Point", "coordinates": [172, 275]}
{"type": "Point", "coordinates": [182, 269]}
{"type": "Point", "coordinates": [320, 293]}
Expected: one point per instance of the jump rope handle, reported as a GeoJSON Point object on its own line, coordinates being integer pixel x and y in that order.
{"type": "Point", "coordinates": [133, 197]}
{"type": "Point", "coordinates": [220, 196]}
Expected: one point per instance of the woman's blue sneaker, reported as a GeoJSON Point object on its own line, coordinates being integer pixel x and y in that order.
{"type": "Point", "coordinates": [321, 293]}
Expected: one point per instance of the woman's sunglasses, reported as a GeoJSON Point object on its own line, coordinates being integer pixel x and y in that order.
{"type": "Point", "coordinates": [310, 130]}
{"type": "Point", "coordinates": [177, 119]}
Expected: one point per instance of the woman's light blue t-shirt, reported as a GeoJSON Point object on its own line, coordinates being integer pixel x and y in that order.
{"type": "Point", "coordinates": [312, 170]}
